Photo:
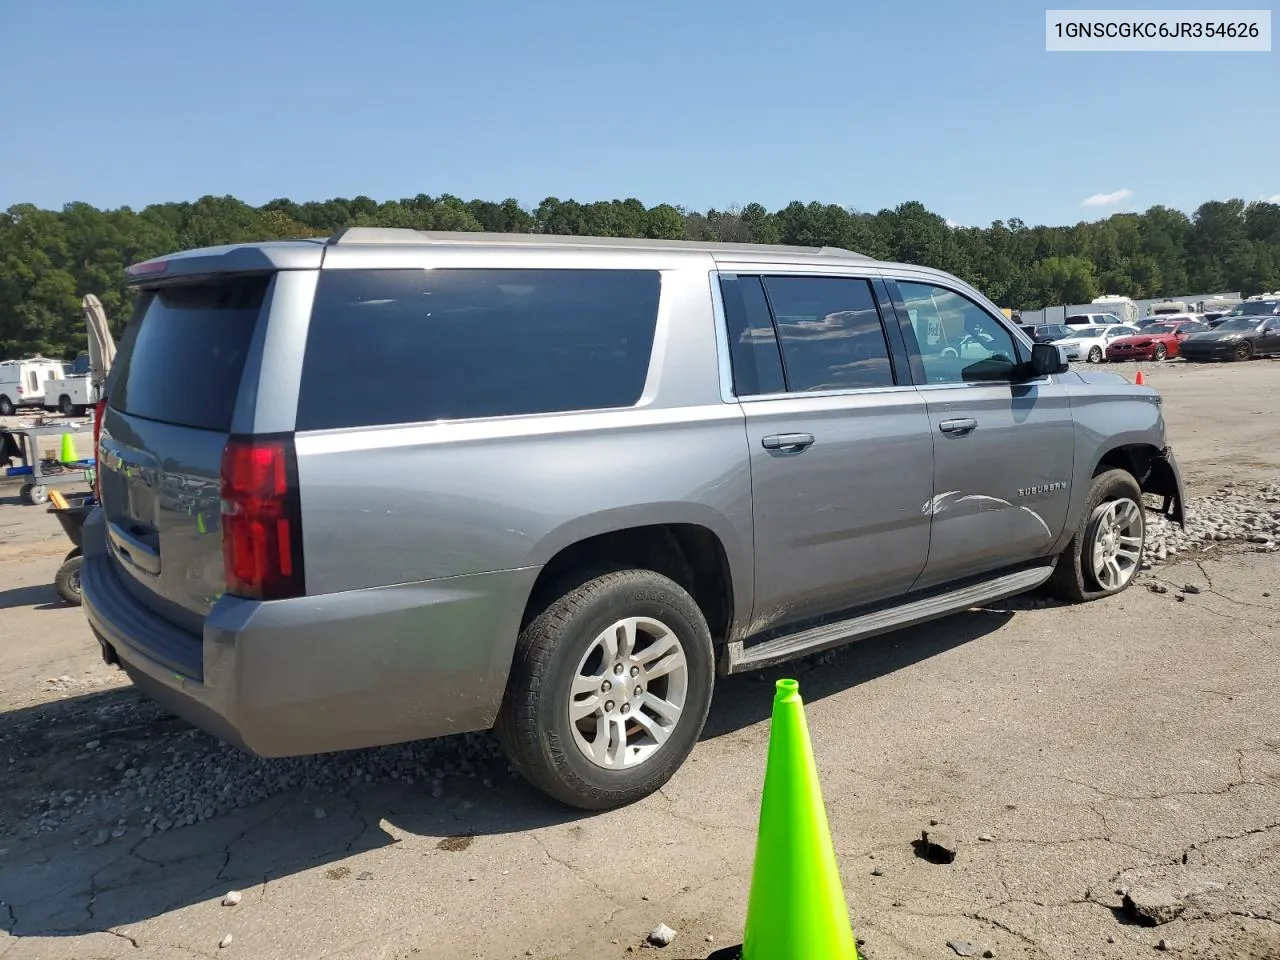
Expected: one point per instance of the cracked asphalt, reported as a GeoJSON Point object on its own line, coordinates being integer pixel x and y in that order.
{"type": "Point", "coordinates": [1078, 755]}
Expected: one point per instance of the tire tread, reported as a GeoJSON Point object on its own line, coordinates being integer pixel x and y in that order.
{"type": "Point", "coordinates": [1068, 581]}
{"type": "Point", "coordinates": [517, 725]}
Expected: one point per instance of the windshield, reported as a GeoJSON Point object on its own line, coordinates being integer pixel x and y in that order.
{"type": "Point", "coordinates": [1256, 308]}
{"type": "Point", "coordinates": [1240, 324]}
{"type": "Point", "coordinates": [1160, 328]}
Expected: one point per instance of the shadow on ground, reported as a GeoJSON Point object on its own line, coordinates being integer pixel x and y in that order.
{"type": "Point", "coordinates": [41, 596]}
{"type": "Point", "coordinates": [76, 878]}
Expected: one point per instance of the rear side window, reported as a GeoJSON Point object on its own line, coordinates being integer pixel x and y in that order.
{"type": "Point", "coordinates": [753, 343]}
{"type": "Point", "coordinates": [830, 332]}
{"type": "Point", "coordinates": [181, 358]}
{"type": "Point", "coordinates": [407, 346]}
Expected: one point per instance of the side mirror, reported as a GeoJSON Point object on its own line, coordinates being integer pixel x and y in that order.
{"type": "Point", "coordinates": [1046, 359]}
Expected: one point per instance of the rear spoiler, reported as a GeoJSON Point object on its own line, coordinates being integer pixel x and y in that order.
{"type": "Point", "coordinates": [231, 259]}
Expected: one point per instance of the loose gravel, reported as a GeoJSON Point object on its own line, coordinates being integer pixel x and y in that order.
{"type": "Point", "coordinates": [134, 770]}
{"type": "Point", "coordinates": [1247, 514]}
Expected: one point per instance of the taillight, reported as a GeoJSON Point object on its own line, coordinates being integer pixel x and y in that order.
{"type": "Point", "coordinates": [261, 528]}
{"type": "Point", "coordinates": [99, 414]}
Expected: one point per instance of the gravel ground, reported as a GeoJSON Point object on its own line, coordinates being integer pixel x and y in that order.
{"type": "Point", "coordinates": [151, 772]}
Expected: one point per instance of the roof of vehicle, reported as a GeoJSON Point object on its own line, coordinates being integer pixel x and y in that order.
{"type": "Point", "coordinates": [310, 253]}
{"type": "Point", "coordinates": [405, 237]}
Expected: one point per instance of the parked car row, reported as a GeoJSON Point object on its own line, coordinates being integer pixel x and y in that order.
{"type": "Point", "coordinates": [1250, 329]}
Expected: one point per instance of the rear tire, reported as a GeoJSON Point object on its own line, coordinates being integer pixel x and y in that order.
{"type": "Point", "coordinates": [6, 407]}
{"type": "Point", "coordinates": [1113, 495]}
{"type": "Point", "coordinates": [67, 581]}
{"type": "Point", "coordinates": [65, 406]}
{"type": "Point", "coordinates": [1095, 355]}
{"type": "Point", "coordinates": [563, 665]}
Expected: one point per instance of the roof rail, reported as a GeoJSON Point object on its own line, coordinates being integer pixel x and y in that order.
{"type": "Point", "coordinates": [402, 236]}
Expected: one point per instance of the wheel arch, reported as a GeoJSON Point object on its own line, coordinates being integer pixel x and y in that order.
{"type": "Point", "coordinates": [696, 555]}
{"type": "Point", "coordinates": [1151, 467]}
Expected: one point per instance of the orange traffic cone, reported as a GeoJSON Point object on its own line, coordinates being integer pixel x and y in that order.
{"type": "Point", "coordinates": [1138, 379]}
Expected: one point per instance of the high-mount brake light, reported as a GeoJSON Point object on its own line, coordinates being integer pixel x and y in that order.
{"type": "Point", "coordinates": [147, 268]}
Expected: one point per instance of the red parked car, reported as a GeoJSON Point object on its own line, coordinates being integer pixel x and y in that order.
{"type": "Point", "coordinates": [1157, 341]}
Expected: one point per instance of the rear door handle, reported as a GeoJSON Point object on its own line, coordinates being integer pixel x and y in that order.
{"type": "Point", "coordinates": [960, 425]}
{"type": "Point", "coordinates": [787, 441]}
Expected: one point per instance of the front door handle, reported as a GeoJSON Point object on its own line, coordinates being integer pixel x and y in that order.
{"type": "Point", "coordinates": [787, 441]}
{"type": "Point", "coordinates": [960, 425]}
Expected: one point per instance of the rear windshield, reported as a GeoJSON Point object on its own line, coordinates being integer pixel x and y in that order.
{"type": "Point", "coordinates": [407, 346]}
{"type": "Point", "coordinates": [183, 354]}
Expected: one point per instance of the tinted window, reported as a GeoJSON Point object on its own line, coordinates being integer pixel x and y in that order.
{"type": "Point", "coordinates": [405, 346]}
{"type": "Point", "coordinates": [830, 332]}
{"type": "Point", "coordinates": [182, 356]}
{"type": "Point", "coordinates": [1239, 325]}
{"type": "Point", "coordinates": [958, 340]}
{"type": "Point", "coordinates": [1256, 308]}
{"type": "Point", "coordinates": [753, 344]}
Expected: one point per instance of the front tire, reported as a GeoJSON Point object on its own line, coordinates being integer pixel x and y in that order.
{"type": "Point", "coordinates": [609, 690]}
{"type": "Point", "coordinates": [1244, 350]}
{"type": "Point", "coordinates": [1105, 554]}
{"type": "Point", "coordinates": [1160, 353]}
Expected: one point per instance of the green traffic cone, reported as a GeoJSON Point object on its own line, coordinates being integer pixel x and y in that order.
{"type": "Point", "coordinates": [796, 909]}
{"type": "Point", "coordinates": [67, 450]}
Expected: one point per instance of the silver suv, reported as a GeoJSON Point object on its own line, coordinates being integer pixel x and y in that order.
{"type": "Point", "coordinates": [396, 485]}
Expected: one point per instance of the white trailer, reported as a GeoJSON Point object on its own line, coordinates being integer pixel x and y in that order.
{"type": "Point", "coordinates": [1121, 306]}
{"type": "Point", "coordinates": [22, 382]}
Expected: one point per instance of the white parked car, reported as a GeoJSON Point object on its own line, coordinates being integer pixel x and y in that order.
{"type": "Point", "coordinates": [1090, 343]}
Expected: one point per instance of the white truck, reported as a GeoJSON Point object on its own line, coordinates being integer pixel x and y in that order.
{"type": "Point", "coordinates": [71, 396]}
{"type": "Point", "coordinates": [23, 382]}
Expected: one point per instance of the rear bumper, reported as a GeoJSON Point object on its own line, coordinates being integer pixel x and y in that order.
{"type": "Point", "coordinates": [319, 674]}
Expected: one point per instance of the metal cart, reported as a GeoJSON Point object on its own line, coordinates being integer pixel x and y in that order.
{"type": "Point", "coordinates": [41, 473]}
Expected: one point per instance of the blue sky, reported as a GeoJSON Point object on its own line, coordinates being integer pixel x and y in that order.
{"type": "Point", "coordinates": [695, 102]}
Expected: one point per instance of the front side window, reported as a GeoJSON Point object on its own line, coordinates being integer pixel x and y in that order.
{"type": "Point", "coordinates": [410, 346]}
{"type": "Point", "coordinates": [959, 341]}
{"type": "Point", "coordinates": [830, 332]}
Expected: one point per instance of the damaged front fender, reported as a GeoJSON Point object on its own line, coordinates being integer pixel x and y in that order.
{"type": "Point", "coordinates": [1163, 479]}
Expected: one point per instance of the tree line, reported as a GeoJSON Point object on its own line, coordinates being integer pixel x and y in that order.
{"type": "Point", "coordinates": [49, 259]}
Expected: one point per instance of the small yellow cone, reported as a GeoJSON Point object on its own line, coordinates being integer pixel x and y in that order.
{"type": "Point", "coordinates": [797, 908]}
{"type": "Point", "coordinates": [67, 454]}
